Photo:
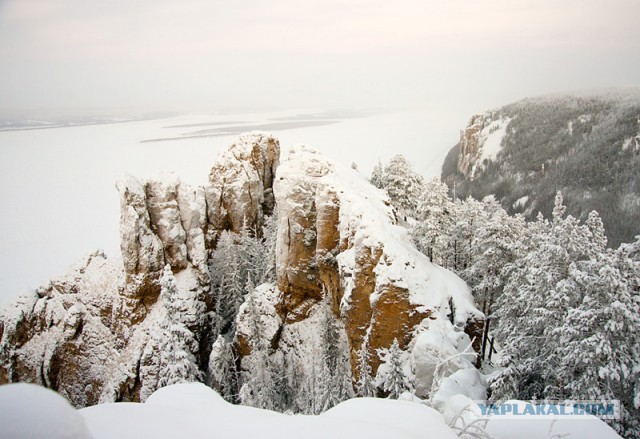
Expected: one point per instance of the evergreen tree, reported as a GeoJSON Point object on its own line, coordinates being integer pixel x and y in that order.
{"type": "Point", "coordinates": [365, 386]}
{"type": "Point", "coordinates": [435, 218]}
{"type": "Point", "coordinates": [268, 261]}
{"type": "Point", "coordinates": [600, 343]}
{"type": "Point", "coordinates": [236, 258]}
{"type": "Point", "coordinates": [334, 379]}
{"type": "Point", "coordinates": [597, 243]}
{"type": "Point", "coordinates": [391, 376]}
{"type": "Point", "coordinates": [378, 178]}
{"type": "Point", "coordinates": [177, 362]}
{"type": "Point", "coordinates": [308, 400]}
{"type": "Point", "coordinates": [553, 287]}
{"type": "Point", "coordinates": [285, 384]}
{"type": "Point", "coordinates": [468, 220]}
{"type": "Point", "coordinates": [222, 369]}
{"type": "Point", "coordinates": [257, 252]}
{"type": "Point", "coordinates": [494, 246]}
{"type": "Point", "coordinates": [260, 386]}
{"type": "Point", "coordinates": [403, 185]}
{"type": "Point", "coordinates": [228, 280]}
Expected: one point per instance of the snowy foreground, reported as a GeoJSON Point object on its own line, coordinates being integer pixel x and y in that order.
{"type": "Point", "coordinates": [196, 411]}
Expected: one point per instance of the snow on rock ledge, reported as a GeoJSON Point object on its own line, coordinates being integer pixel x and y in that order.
{"type": "Point", "coordinates": [337, 233]}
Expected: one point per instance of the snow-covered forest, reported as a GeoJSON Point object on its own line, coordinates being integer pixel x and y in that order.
{"type": "Point", "coordinates": [562, 309]}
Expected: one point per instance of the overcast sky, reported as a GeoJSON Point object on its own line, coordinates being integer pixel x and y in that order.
{"type": "Point", "coordinates": [212, 54]}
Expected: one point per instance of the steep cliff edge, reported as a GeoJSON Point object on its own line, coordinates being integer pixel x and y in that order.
{"type": "Point", "coordinates": [338, 235]}
{"type": "Point", "coordinates": [240, 185]}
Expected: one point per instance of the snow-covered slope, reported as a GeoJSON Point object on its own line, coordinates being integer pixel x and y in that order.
{"type": "Point", "coordinates": [28, 411]}
{"type": "Point", "coordinates": [195, 411]}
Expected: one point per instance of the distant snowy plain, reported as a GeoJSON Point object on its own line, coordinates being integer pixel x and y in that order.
{"type": "Point", "coordinates": [57, 185]}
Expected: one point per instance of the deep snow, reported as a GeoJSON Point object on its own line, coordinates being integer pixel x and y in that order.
{"type": "Point", "coordinates": [195, 411]}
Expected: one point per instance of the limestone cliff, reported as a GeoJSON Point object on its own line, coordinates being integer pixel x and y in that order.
{"type": "Point", "coordinates": [62, 335]}
{"type": "Point", "coordinates": [481, 141]}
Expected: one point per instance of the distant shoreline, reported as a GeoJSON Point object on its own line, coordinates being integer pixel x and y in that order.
{"type": "Point", "coordinates": [75, 124]}
{"type": "Point", "coordinates": [233, 130]}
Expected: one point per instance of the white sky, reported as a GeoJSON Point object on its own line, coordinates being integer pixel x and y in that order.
{"type": "Point", "coordinates": [212, 54]}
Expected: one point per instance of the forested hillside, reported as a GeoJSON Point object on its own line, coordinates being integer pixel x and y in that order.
{"type": "Point", "coordinates": [586, 146]}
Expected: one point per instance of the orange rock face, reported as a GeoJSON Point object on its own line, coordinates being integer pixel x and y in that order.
{"type": "Point", "coordinates": [470, 144]}
{"type": "Point", "coordinates": [342, 239]}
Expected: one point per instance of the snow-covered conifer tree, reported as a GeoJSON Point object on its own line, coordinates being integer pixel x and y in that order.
{"type": "Point", "coordinates": [365, 386]}
{"type": "Point", "coordinates": [228, 279]}
{"type": "Point", "coordinates": [267, 272]}
{"type": "Point", "coordinates": [222, 369]}
{"type": "Point", "coordinates": [547, 284]}
{"type": "Point", "coordinates": [177, 362]}
{"type": "Point", "coordinates": [391, 377]}
{"type": "Point", "coordinates": [435, 218]}
{"type": "Point", "coordinates": [378, 178]}
{"type": "Point", "coordinates": [600, 345]}
{"type": "Point", "coordinates": [494, 245]}
{"type": "Point", "coordinates": [334, 378]}
{"type": "Point", "coordinates": [468, 220]}
{"type": "Point", "coordinates": [259, 388]}
{"type": "Point", "coordinates": [403, 185]}
{"type": "Point", "coordinates": [236, 257]}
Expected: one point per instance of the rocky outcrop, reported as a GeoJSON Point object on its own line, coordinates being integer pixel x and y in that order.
{"type": "Point", "coordinates": [163, 221]}
{"type": "Point", "coordinates": [299, 233]}
{"type": "Point", "coordinates": [337, 234]}
{"type": "Point", "coordinates": [89, 334]}
{"type": "Point", "coordinates": [481, 141]}
{"type": "Point", "coordinates": [62, 336]}
{"type": "Point", "coordinates": [93, 334]}
{"type": "Point", "coordinates": [470, 144]}
{"type": "Point", "coordinates": [142, 256]}
{"type": "Point", "coordinates": [240, 192]}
